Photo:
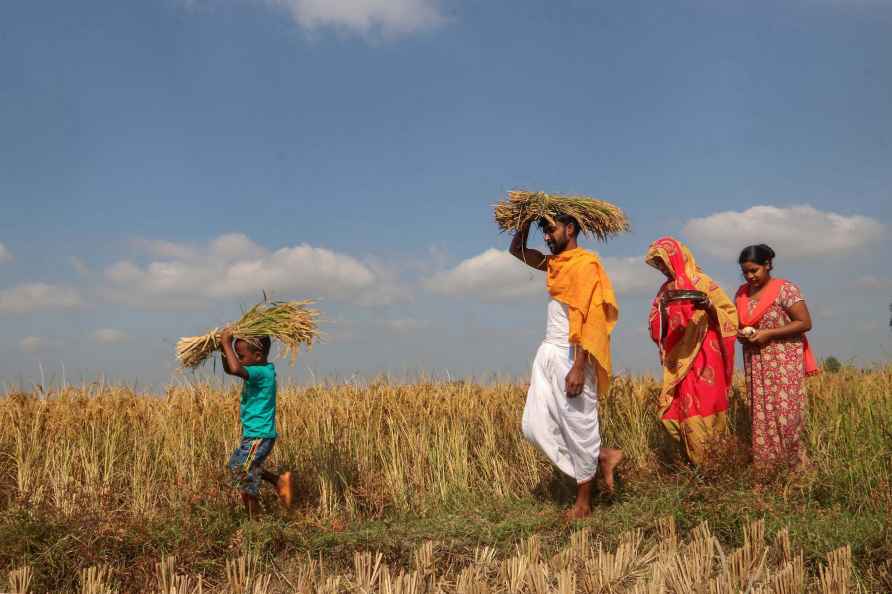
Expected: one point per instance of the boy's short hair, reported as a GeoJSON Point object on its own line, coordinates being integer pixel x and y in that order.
{"type": "Point", "coordinates": [261, 344]}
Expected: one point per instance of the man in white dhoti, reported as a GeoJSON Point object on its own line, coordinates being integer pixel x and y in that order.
{"type": "Point", "coordinates": [572, 366]}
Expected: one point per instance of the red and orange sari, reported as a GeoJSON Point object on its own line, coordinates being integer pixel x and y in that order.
{"type": "Point", "coordinates": [696, 351]}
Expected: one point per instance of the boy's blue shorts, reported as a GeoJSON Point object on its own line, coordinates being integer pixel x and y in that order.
{"type": "Point", "coordinates": [246, 463]}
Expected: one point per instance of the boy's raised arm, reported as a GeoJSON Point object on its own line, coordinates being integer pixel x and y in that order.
{"type": "Point", "coordinates": [231, 364]}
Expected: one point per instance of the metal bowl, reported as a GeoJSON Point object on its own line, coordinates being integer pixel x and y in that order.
{"type": "Point", "coordinates": [692, 296]}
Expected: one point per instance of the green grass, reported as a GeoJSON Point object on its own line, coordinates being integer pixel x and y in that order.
{"type": "Point", "coordinates": [204, 536]}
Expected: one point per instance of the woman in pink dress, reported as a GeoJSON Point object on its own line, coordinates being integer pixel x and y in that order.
{"type": "Point", "coordinates": [773, 321]}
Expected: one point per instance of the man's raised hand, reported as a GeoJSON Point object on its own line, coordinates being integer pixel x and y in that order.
{"type": "Point", "coordinates": [532, 258]}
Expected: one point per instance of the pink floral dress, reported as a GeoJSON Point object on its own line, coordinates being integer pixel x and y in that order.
{"type": "Point", "coordinates": [775, 380]}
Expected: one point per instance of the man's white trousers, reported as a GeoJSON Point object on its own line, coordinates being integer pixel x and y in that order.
{"type": "Point", "coordinates": [564, 429]}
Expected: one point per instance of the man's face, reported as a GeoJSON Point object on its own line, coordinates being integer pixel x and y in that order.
{"type": "Point", "coordinates": [556, 236]}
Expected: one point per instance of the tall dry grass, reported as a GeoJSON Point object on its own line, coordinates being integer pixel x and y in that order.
{"type": "Point", "coordinates": [368, 451]}
{"type": "Point", "coordinates": [361, 450]}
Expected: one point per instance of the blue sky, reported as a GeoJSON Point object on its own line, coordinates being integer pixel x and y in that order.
{"type": "Point", "coordinates": [162, 162]}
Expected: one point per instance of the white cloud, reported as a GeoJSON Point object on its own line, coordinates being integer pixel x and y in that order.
{"type": "Point", "coordinates": [405, 325]}
{"type": "Point", "coordinates": [302, 268]}
{"type": "Point", "coordinates": [38, 296]}
{"type": "Point", "coordinates": [31, 344]}
{"type": "Point", "coordinates": [234, 266]}
{"type": "Point", "coordinates": [632, 276]}
{"type": "Point", "coordinates": [109, 336]}
{"type": "Point", "coordinates": [226, 248]}
{"type": "Point", "coordinates": [797, 232]}
{"type": "Point", "coordinates": [80, 266]}
{"type": "Point", "coordinates": [870, 325]}
{"type": "Point", "coordinates": [5, 254]}
{"type": "Point", "coordinates": [874, 282]}
{"type": "Point", "coordinates": [34, 344]}
{"type": "Point", "coordinates": [496, 275]}
{"type": "Point", "coordinates": [166, 249]}
{"type": "Point", "coordinates": [389, 287]}
{"type": "Point", "coordinates": [389, 17]}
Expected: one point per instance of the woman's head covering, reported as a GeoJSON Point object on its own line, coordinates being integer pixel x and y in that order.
{"type": "Point", "coordinates": [677, 259]}
{"type": "Point", "coordinates": [687, 275]}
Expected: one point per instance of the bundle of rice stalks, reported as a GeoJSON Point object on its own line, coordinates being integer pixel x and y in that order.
{"type": "Point", "coordinates": [597, 218]}
{"type": "Point", "coordinates": [292, 323]}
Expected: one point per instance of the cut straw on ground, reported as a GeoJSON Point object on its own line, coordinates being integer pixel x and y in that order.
{"type": "Point", "coordinates": [292, 323]}
{"type": "Point", "coordinates": [597, 218]}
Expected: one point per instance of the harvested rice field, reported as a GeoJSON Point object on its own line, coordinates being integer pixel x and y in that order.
{"type": "Point", "coordinates": [430, 487]}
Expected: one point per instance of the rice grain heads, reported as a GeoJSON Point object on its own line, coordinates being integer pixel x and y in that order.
{"type": "Point", "coordinates": [597, 218]}
{"type": "Point", "coordinates": [292, 323]}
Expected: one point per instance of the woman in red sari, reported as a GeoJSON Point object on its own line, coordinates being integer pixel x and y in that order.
{"type": "Point", "coordinates": [773, 321]}
{"type": "Point", "coordinates": [696, 350]}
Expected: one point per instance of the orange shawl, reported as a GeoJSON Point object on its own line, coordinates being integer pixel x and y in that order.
{"type": "Point", "coordinates": [577, 279]}
{"type": "Point", "coordinates": [769, 296]}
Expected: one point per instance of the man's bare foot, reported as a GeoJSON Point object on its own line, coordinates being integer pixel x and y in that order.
{"type": "Point", "coordinates": [608, 460]}
{"type": "Point", "coordinates": [577, 512]}
{"type": "Point", "coordinates": [582, 508]}
{"type": "Point", "coordinates": [285, 490]}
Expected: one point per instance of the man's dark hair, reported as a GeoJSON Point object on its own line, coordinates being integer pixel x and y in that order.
{"type": "Point", "coordinates": [564, 219]}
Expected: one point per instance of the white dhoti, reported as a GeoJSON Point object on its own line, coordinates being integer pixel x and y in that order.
{"type": "Point", "coordinates": [564, 429]}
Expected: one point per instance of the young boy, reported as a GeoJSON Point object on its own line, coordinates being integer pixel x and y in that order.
{"type": "Point", "coordinates": [248, 360]}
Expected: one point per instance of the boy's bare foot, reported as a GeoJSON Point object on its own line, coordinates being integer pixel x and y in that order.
{"type": "Point", "coordinates": [250, 505]}
{"type": "Point", "coordinates": [608, 460]}
{"type": "Point", "coordinates": [285, 489]}
{"type": "Point", "coordinates": [577, 512]}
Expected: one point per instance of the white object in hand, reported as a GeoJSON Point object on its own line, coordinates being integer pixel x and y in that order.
{"type": "Point", "coordinates": [748, 331]}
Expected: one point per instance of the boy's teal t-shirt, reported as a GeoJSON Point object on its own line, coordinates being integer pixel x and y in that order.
{"type": "Point", "coordinates": [258, 402]}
